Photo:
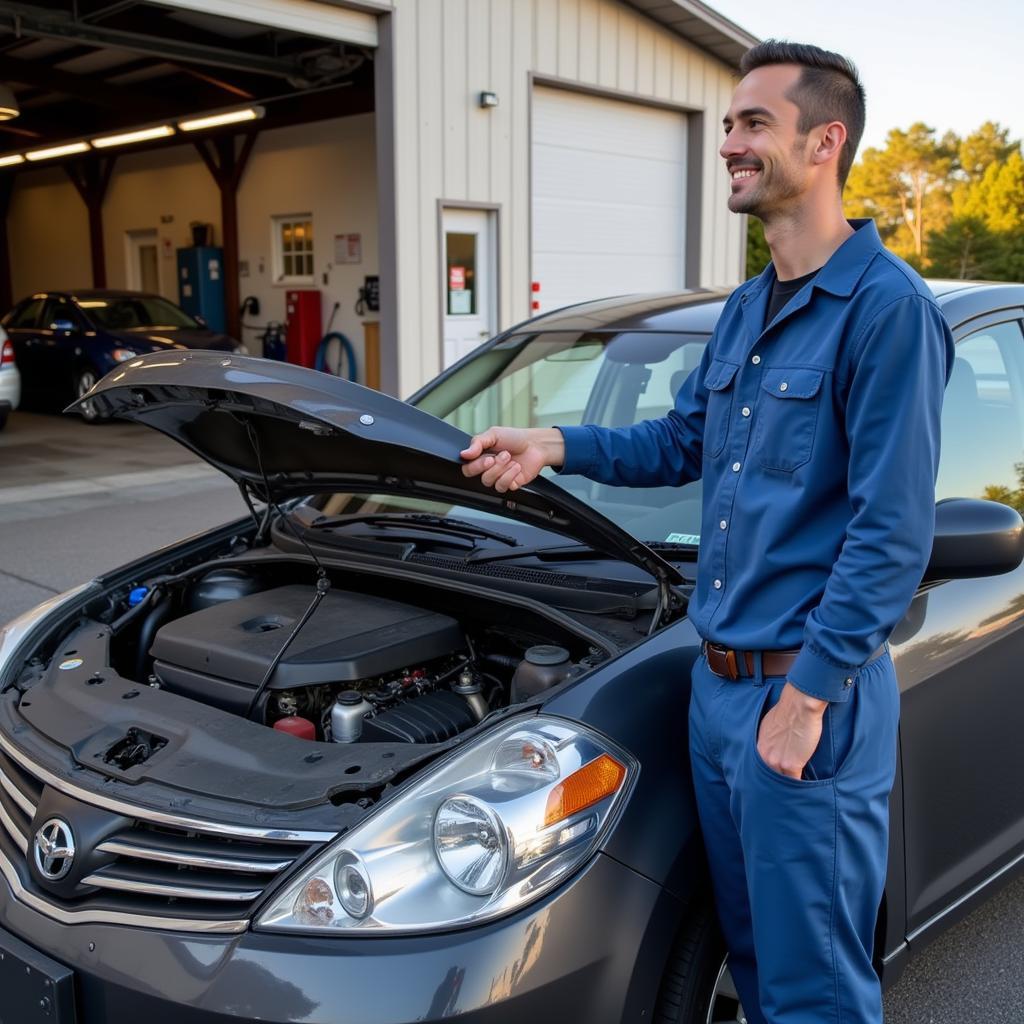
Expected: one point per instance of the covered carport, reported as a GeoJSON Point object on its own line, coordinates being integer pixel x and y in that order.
{"type": "Point", "coordinates": [138, 120]}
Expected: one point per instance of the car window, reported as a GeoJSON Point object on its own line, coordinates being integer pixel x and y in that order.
{"type": "Point", "coordinates": [567, 378]}
{"type": "Point", "coordinates": [28, 315]}
{"type": "Point", "coordinates": [58, 310]}
{"type": "Point", "coordinates": [982, 450]}
{"type": "Point", "coordinates": [136, 312]}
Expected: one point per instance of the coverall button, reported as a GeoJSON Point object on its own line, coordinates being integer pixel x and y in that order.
{"type": "Point", "coordinates": [718, 584]}
{"type": "Point", "coordinates": [848, 681]}
{"type": "Point", "coordinates": [755, 360]}
{"type": "Point", "coordinates": [783, 386]}
{"type": "Point", "coordinates": [746, 410]}
{"type": "Point", "coordinates": [735, 467]}
{"type": "Point", "coordinates": [722, 524]}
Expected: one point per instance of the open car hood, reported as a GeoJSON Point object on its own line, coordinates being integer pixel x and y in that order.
{"type": "Point", "coordinates": [320, 433]}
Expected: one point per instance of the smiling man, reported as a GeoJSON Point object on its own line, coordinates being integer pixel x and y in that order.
{"type": "Point", "coordinates": [813, 419]}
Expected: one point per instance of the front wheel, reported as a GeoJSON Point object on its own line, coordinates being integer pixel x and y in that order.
{"type": "Point", "coordinates": [85, 381]}
{"type": "Point", "coordinates": [697, 987]}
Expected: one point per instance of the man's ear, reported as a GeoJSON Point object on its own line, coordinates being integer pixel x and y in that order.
{"type": "Point", "coordinates": [831, 138]}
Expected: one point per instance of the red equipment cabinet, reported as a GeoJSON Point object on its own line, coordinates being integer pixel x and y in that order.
{"type": "Point", "coordinates": [305, 325]}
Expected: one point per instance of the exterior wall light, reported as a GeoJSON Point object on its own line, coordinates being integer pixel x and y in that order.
{"type": "Point", "coordinates": [488, 99]}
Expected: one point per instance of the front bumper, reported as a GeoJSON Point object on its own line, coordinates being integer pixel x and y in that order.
{"type": "Point", "coordinates": [593, 950]}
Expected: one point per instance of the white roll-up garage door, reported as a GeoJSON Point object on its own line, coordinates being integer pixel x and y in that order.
{"type": "Point", "coordinates": [609, 197]}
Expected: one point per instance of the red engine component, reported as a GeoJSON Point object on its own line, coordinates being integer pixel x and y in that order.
{"type": "Point", "coordinates": [296, 726]}
{"type": "Point", "coordinates": [305, 326]}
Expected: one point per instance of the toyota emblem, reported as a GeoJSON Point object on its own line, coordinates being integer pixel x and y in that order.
{"type": "Point", "coordinates": [54, 849]}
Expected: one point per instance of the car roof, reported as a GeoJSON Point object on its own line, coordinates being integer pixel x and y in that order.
{"type": "Point", "coordinates": [695, 311]}
{"type": "Point", "coordinates": [90, 293]}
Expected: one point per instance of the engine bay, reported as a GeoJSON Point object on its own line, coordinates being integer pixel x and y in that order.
{"type": "Point", "coordinates": [274, 685]}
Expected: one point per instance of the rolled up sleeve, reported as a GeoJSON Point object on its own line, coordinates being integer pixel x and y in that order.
{"type": "Point", "coordinates": [652, 453]}
{"type": "Point", "coordinates": [901, 364]}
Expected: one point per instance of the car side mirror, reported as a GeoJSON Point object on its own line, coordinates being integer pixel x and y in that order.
{"type": "Point", "coordinates": [974, 538]}
{"type": "Point", "coordinates": [66, 326]}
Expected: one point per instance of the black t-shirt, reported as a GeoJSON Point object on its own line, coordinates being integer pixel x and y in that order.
{"type": "Point", "coordinates": [782, 292]}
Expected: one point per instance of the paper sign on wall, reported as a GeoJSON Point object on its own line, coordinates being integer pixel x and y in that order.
{"type": "Point", "coordinates": [348, 248]}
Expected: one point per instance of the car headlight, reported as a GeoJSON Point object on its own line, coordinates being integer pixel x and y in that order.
{"type": "Point", "coordinates": [119, 355]}
{"type": "Point", "coordinates": [493, 827]}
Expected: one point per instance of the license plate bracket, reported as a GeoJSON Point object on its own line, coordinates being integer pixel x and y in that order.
{"type": "Point", "coordinates": [36, 989]}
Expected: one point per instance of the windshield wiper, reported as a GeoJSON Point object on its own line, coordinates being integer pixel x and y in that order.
{"type": "Point", "coordinates": [565, 552]}
{"type": "Point", "coordinates": [426, 521]}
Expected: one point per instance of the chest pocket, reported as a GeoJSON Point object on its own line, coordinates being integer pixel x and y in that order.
{"type": "Point", "coordinates": [718, 380]}
{"type": "Point", "coordinates": [788, 416]}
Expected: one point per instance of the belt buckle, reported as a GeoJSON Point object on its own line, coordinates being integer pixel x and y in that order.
{"type": "Point", "coordinates": [730, 664]}
{"type": "Point", "coordinates": [731, 668]}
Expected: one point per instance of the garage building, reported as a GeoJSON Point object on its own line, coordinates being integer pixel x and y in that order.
{"type": "Point", "coordinates": [476, 161]}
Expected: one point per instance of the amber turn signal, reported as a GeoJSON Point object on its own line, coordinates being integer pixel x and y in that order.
{"type": "Point", "coordinates": [586, 786]}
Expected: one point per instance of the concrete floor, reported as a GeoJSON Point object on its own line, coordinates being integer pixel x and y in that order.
{"type": "Point", "coordinates": [78, 499]}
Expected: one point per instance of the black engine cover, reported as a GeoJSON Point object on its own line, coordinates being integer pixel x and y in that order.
{"type": "Point", "coordinates": [220, 654]}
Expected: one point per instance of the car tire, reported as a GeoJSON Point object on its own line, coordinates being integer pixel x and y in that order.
{"type": "Point", "coordinates": [3, 420]}
{"type": "Point", "coordinates": [696, 987]}
{"type": "Point", "coordinates": [85, 378]}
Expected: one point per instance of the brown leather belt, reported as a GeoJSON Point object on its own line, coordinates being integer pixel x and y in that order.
{"type": "Point", "coordinates": [733, 664]}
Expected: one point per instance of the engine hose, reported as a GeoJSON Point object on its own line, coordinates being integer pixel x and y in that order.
{"type": "Point", "coordinates": [153, 621]}
{"type": "Point", "coordinates": [321, 353]}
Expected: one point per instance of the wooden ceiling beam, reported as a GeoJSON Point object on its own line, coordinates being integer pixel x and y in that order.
{"type": "Point", "coordinates": [88, 88]}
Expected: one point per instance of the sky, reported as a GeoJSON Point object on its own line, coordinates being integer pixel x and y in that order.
{"type": "Point", "coordinates": [950, 64]}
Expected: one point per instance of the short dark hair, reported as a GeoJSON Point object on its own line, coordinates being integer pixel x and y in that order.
{"type": "Point", "coordinates": [829, 89]}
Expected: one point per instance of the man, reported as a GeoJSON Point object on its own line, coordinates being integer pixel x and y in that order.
{"type": "Point", "coordinates": [813, 419]}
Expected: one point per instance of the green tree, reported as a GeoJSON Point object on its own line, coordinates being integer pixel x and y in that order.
{"type": "Point", "coordinates": [965, 249]}
{"type": "Point", "coordinates": [758, 253]}
{"type": "Point", "coordinates": [997, 196]}
{"type": "Point", "coordinates": [984, 147]}
{"type": "Point", "coordinates": [905, 187]}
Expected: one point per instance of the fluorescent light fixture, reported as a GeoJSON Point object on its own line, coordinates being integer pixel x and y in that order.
{"type": "Point", "coordinates": [126, 138]}
{"type": "Point", "coordinates": [9, 161]}
{"type": "Point", "coordinates": [54, 151]}
{"type": "Point", "coordinates": [216, 120]}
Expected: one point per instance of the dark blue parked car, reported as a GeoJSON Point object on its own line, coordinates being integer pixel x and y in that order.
{"type": "Point", "coordinates": [64, 342]}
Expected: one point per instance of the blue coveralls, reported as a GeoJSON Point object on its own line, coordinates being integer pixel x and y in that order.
{"type": "Point", "coordinates": [818, 442]}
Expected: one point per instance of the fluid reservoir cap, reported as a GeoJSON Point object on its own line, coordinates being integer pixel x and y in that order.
{"type": "Point", "coordinates": [547, 654]}
{"type": "Point", "coordinates": [350, 697]}
{"type": "Point", "coordinates": [137, 596]}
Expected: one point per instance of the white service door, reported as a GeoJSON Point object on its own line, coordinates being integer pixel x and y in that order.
{"type": "Point", "coordinates": [469, 266]}
{"type": "Point", "coordinates": [143, 262]}
{"type": "Point", "coordinates": [609, 197]}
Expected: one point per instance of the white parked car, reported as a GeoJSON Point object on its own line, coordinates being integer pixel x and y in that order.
{"type": "Point", "coordinates": [10, 379]}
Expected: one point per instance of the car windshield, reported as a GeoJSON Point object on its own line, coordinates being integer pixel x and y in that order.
{"type": "Point", "coordinates": [564, 379]}
{"type": "Point", "coordinates": [136, 312]}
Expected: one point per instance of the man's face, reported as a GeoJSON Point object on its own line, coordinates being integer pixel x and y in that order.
{"type": "Point", "coordinates": [764, 153]}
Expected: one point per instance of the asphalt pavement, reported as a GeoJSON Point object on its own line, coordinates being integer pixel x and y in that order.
{"type": "Point", "coordinates": [77, 499]}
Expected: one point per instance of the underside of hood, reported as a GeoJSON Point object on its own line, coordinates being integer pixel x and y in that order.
{"type": "Point", "coordinates": [303, 431]}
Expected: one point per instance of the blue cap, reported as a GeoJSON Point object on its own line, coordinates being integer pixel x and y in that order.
{"type": "Point", "coordinates": [137, 596]}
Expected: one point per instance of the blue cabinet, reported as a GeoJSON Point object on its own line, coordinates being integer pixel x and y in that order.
{"type": "Point", "coordinates": [201, 284]}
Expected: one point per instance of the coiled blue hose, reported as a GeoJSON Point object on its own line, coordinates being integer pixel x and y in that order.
{"type": "Point", "coordinates": [320, 363]}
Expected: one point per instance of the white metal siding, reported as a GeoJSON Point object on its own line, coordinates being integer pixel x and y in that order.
{"type": "Point", "coordinates": [446, 147]}
{"type": "Point", "coordinates": [609, 197]}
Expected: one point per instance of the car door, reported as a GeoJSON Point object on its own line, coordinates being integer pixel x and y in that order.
{"type": "Point", "coordinates": [957, 653]}
{"type": "Point", "coordinates": [60, 343]}
{"type": "Point", "coordinates": [23, 330]}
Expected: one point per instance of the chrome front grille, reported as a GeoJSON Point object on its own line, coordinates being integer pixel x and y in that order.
{"type": "Point", "coordinates": [19, 794]}
{"type": "Point", "coordinates": [161, 871]}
